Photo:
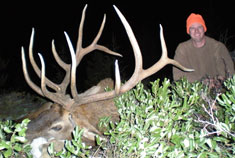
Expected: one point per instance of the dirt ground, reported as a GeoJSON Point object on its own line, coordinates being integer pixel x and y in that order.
{"type": "Point", "coordinates": [15, 105]}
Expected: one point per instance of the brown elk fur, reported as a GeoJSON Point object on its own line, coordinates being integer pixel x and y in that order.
{"type": "Point", "coordinates": [53, 121]}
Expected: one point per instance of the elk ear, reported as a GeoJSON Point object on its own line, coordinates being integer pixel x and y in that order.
{"type": "Point", "coordinates": [71, 120]}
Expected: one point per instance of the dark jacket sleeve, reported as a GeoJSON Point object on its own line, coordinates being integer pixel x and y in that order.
{"type": "Point", "coordinates": [225, 59]}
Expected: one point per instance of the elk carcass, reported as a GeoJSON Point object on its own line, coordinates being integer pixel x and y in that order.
{"type": "Point", "coordinates": [57, 120]}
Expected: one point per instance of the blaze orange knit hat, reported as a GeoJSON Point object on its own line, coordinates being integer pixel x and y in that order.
{"type": "Point", "coordinates": [195, 18]}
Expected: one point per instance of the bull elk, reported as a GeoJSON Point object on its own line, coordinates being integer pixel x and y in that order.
{"type": "Point", "coordinates": [57, 120]}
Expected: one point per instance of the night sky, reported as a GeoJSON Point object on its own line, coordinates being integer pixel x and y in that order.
{"type": "Point", "coordinates": [51, 20]}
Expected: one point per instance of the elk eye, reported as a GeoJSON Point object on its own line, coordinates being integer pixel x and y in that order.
{"type": "Point", "coordinates": [57, 128]}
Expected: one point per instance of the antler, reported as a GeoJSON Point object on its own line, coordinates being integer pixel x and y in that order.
{"type": "Point", "coordinates": [139, 73]}
{"type": "Point", "coordinates": [60, 96]}
{"type": "Point", "coordinates": [68, 102]}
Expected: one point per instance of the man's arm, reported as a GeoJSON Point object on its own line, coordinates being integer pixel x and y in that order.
{"type": "Point", "coordinates": [226, 60]}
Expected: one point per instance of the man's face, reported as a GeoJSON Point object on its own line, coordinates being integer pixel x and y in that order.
{"type": "Point", "coordinates": [196, 31]}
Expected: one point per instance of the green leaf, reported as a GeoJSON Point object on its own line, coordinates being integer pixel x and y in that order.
{"type": "Point", "coordinates": [213, 155]}
{"type": "Point", "coordinates": [18, 147]}
{"type": "Point", "coordinates": [4, 145]}
{"type": "Point", "coordinates": [25, 122]}
{"type": "Point", "coordinates": [98, 140]}
{"type": "Point", "coordinates": [18, 128]}
{"type": "Point", "coordinates": [75, 143]}
{"type": "Point", "coordinates": [59, 153]}
{"type": "Point", "coordinates": [211, 143]}
{"type": "Point", "coordinates": [8, 153]}
{"type": "Point", "coordinates": [221, 139]}
{"type": "Point", "coordinates": [7, 129]}
{"type": "Point", "coordinates": [51, 148]}
{"type": "Point", "coordinates": [20, 139]}
{"type": "Point", "coordinates": [112, 140]}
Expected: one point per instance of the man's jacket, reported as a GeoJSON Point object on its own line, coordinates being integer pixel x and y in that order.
{"type": "Point", "coordinates": [212, 59]}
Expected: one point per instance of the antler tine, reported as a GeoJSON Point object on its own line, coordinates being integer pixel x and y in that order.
{"type": "Point", "coordinates": [64, 84]}
{"type": "Point", "coordinates": [35, 66]}
{"type": "Point", "coordinates": [26, 75]}
{"type": "Point", "coordinates": [80, 51]}
{"type": "Point", "coordinates": [163, 43]}
{"type": "Point", "coordinates": [43, 82]}
{"type": "Point", "coordinates": [117, 78]}
{"type": "Point", "coordinates": [73, 68]}
{"type": "Point", "coordinates": [100, 47]}
{"type": "Point", "coordinates": [165, 56]}
{"type": "Point", "coordinates": [137, 54]}
{"type": "Point", "coordinates": [58, 59]}
{"type": "Point", "coordinates": [164, 60]}
{"type": "Point", "coordinates": [80, 32]}
{"type": "Point", "coordinates": [59, 98]}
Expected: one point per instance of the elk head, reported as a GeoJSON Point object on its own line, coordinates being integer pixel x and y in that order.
{"type": "Point", "coordinates": [57, 119]}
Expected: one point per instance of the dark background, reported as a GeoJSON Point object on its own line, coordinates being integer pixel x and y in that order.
{"type": "Point", "coordinates": [50, 20]}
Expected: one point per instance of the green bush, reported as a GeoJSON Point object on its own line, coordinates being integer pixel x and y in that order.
{"type": "Point", "coordinates": [168, 120]}
{"type": "Point", "coordinates": [12, 139]}
{"type": "Point", "coordinates": [172, 120]}
{"type": "Point", "coordinates": [227, 100]}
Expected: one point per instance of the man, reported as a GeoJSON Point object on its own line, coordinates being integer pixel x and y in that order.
{"type": "Point", "coordinates": [205, 55]}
